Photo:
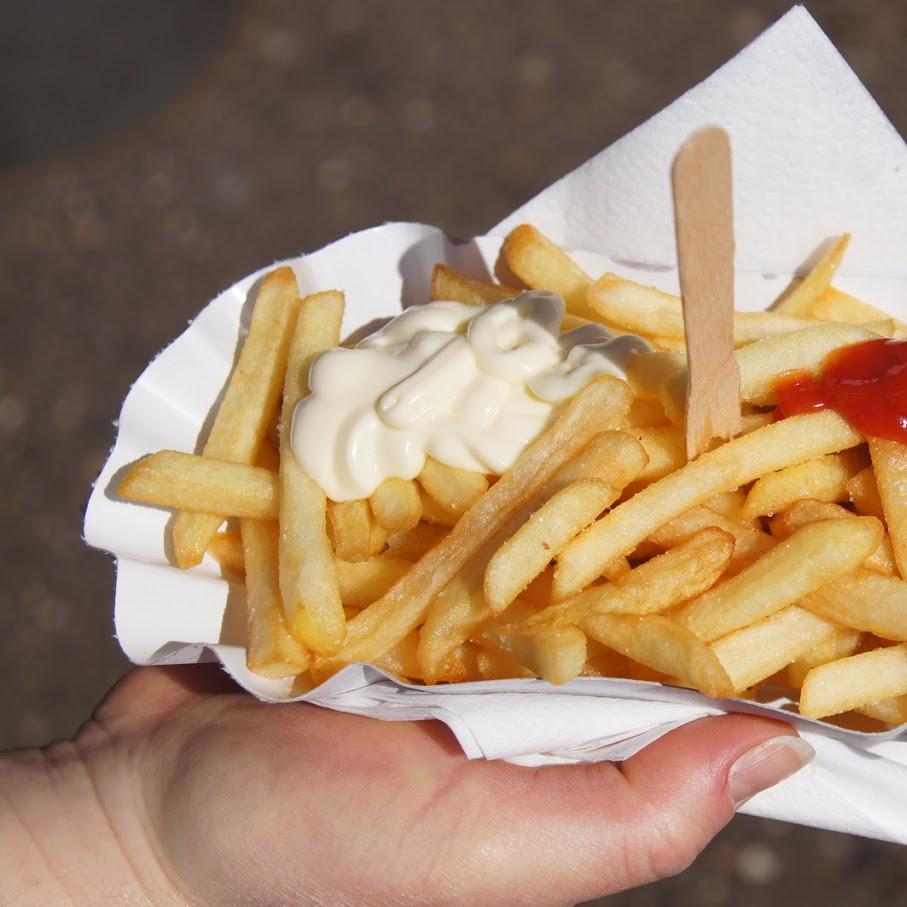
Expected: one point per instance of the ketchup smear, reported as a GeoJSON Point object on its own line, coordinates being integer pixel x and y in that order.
{"type": "Point", "coordinates": [866, 383]}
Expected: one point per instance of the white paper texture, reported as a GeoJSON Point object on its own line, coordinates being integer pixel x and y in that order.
{"type": "Point", "coordinates": [792, 192]}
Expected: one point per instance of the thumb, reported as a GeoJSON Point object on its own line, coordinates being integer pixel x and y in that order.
{"type": "Point", "coordinates": [605, 827]}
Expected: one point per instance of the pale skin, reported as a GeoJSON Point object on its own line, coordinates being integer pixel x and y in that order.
{"type": "Point", "coordinates": [183, 790]}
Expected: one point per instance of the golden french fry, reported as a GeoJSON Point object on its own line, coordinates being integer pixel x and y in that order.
{"type": "Point", "coordinates": [434, 513]}
{"type": "Point", "coordinates": [401, 659]}
{"type": "Point", "coordinates": [647, 372]}
{"type": "Point", "coordinates": [822, 479]}
{"type": "Point", "coordinates": [396, 504]}
{"type": "Point", "coordinates": [646, 411]}
{"type": "Point", "coordinates": [451, 488]}
{"type": "Point", "coordinates": [453, 616]}
{"type": "Point", "coordinates": [833, 305]}
{"type": "Point", "coordinates": [889, 460]}
{"type": "Point", "coordinates": [892, 711]}
{"type": "Point", "coordinates": [615, 571]}
{"type": "Point", "coordinates": [730, 504]}
{"type": "Point", "coordinates": [657, 585]}
{"type": "Point", "coordinates": [800, 513]}
{"type": "Point", "coordinates": [554, 655]}
{"type": "Point", "coordinates": [527, 552]}
{"type": "Point", "coordinates": [462, 606]}
{"type": "Point", "coordinates": [411, 545]}
{"type": "Point", "coordinates": [749, 543]}
{"type": "Point", "coordinates": [663, 645]}
{"type": "Point", "coordinates": [366, 581]}
{"type": "Point", "coordinates": [449, 283]}
{"type": "Point", "coordinates": [542, 265]}
{"type": "Point", "coordinates": [843, 642]}
{"type": "Point", "coordinates": [604, 662]}
{"type": "Point", "coordinates": [802, 297]}
{"type": "Point", "coordinates": [601, 404]}
{"type": "Point", "coordinates": [757, 651]}
{"type": "Point", "coordinates": [351, 528]}
{"type": "Point", "coordinates": [270, 649]}
{"type": "Point", "coordinates": [865, 600]}
{"type": "Point", "coordinates": [816, 554]}
{"type": "Point", "coordinates": [226, 547]}
{"type": "Point", "coordinates": [763, 362]}
{"type": "Point", "coordinates": [249, 402]}
{"type": "Point", "coordinates": [853, 682]}
{"type": "Point", "coordinates": [170, 478]}
{"type": "Point", "coordinates": [495, 665]}
{"type": "Point", "coordinates": [645, 310]}
{"type": "Point", "coordinates": [727, 467]}
{"type": "Point", "coordinates": [308, 574]}
{"type": "Point", "coordinates": [864, 493]}
{"type": "Point", "coordinates": [666, 449]}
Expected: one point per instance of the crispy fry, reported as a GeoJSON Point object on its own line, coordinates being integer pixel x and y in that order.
{"type": "Point", "coordinates": [226, 547]}
{"type": "Point", "coordinates": [843, 642]}
{"type": "Point", "coordinates": [889, 460]}
{"type": "Point", "coordinates": [417, 541]}
{"type": "Point", "coordinates": [851, 683]}
{"type": "Point", "coordinates": [645, 310]}
{"type": "Point", "coordinates": [196, 484]}
{"type": "Point", "coordinates": [530, 549]}
{"type": "Point", "coordinates": [800, 513]}
{"type": "Point", "coordinates": [451, 488]}
{"type": "Point", "coordinates": [757, 651]}
{"type": "Point", "coordinates": [657, 585]}
{"type": "Point", "coordinates": [249, 402]}
{"type": "Point", "coordinates": [749, 543]}
{"type": "Point", "coordinates": [366, 581]}
{"type": "Point", "coordinates": [728, 467]}
{"type": "Point", "coordinates": [308, 575]}
{"type": "Point", "coordinates": [892, 711]}
{"type": "Point", "coordinates": [864, 493]}
{"type": "Point", "coordinates": [833, 305]}
{"type": "Point", "coordinates": [396, 504]}
{"type": "Point", "coordinates": [865, 600]}
{"type": "Point", "coordinates": [496, 665]}
{"type": "Point", "coordinates": [351, 529]}
{"type": "Point", "coordinates": [599, 405]}
{"type": "Point", "coordinates": [554, 655]}
{"type": "Point", "coordinates": [647, 372]}
{"type": "Point", "coordinates": [270, 649]}
{"type": "Point", "coordinates": [801, 299]}
{"type": "Point", "coordinates": [542, 265]}
{"type": "Point", "coordinates": [822, 479]}
{"type": "Point", "coordinates": [665, 646]}
{"type": "Point", "coordinates": [449, 283]}
{"type": "Point", "coordinates": [816, 554]}
{"type": "Point", "coordinates": [763, 362]}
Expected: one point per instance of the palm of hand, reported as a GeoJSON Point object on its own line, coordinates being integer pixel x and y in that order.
{"type": "Point", "coordinates": [278, 804]}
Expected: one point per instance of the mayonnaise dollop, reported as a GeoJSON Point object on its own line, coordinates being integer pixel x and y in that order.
{"type": "Point", "coordinates": [472, 386]}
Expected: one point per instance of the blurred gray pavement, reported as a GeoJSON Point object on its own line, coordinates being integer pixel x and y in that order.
{"type": "Point", "coordinates": [151, 154]}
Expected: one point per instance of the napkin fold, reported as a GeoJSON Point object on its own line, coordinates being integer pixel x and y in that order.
{"type": "Point", "coordinates": [813, 155]}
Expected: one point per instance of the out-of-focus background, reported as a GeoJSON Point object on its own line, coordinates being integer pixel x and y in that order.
{"type": "Point", "coordinates": [151, 154]}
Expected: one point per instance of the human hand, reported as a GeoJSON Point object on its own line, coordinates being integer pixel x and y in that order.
{"type": "Point", "coordinates": [216, 798]}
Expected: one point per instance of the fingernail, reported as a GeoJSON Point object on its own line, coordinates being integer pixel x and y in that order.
{"type": "Point", "coordinates": [766, 765]}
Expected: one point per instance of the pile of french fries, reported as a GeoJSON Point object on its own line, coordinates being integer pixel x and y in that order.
{"type": "Point", "coordinates": [771, 566]}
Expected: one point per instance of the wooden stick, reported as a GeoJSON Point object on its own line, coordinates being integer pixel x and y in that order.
{"type": "Point", "coordinates": [703, 217]}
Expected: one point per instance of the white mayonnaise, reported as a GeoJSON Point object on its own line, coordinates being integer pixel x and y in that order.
{"type": "Point", "coordinates": [472, 386]}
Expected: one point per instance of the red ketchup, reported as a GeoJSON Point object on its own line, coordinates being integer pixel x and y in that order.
{"type": "Point", "coordinates": [866, 383]}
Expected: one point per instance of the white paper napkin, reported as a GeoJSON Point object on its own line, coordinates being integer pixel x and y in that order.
{"type": "Point", "coordinates": [813, 156]}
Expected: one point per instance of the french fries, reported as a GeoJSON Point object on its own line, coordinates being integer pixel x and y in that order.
{"type": "Point", "coordinates": [249, 402]}
{"type": "Point", "coordinates": [602, 551]}
{"type": "Point", "coordinates": [308, 574]}
{"type": "Point", "coordinates": [735, 463]}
